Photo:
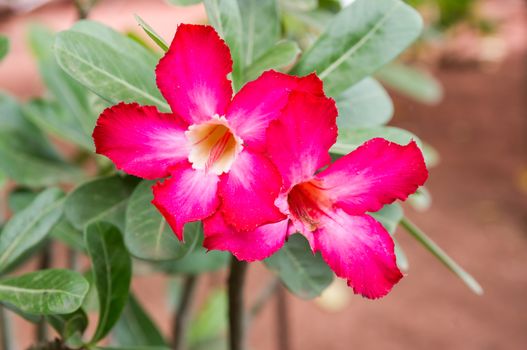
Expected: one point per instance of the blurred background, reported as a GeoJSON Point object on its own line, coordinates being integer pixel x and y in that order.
{"type": "Point", "coordinates": [477, 121]}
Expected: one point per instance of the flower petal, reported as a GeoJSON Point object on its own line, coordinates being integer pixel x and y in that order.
{"type": "Point", "coordinates": [140, 140]}
{"type": "Point", "coordinates": [260, 102]}
{"type": "Point", "coordinates": [360, 250]}
{"type": "Point", "coordinates": [375, 174]}
{"type": "Point", "coordinates": [253, 245]}
{"type": "Point", "coordinates": [298, 143]}
{"type": "Point", "coordinates": [192, 76]}
{"type": "Point", "coordinates": [189, 195]}
{"type": "Point", "coordinates": [249, 190]}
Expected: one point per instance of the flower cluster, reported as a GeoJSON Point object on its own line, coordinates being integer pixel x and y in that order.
{"type": "Point", "coordinates": [255, 168]}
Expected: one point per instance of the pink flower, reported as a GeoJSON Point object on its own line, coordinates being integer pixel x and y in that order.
{"type": "Point", "coordinates": [211, 144]}
{"type": "Point", "coordinates": [329, 207]}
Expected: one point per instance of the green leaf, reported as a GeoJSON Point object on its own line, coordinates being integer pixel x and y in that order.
{"type": "Point", "coordinates": [279, 56]}
{"type": "Point", "coordinates": [363, 37]}
{"type": "Point", "coordinates": [349, 140]}
{"type": "Point", "coordinates": [112, 272]}
{"type": "Point", "coordinates": [412, 82]}
{"type": "Point", "coordinates": [29, 227]}
{"type": "Point", "coordinates": [299, 5]}
{"type": "Point", "coordinates": [302, 272]}
{"type": "Point", "coordinates": [147, 234]}
{"type": "Point", "coordinates": [110, 64]}
{"type": "Point", "coordinates": [26, 156]}
{"type": "Point", "coordinates": [366, 104]}
{"type": "Point", "coordinates": [45, 292]}
{"type": "Point", "coordinates": [4, 46]}
{"type": "Point", "coordinates": [64, 232]}
{"type": "Point", "coordinates": [20, 198]}
{"type": "Point", "coordinates": [184, 2]}
{"type": "Point", "coordinates": [152, 33]}
{"type": "Point", "coordinates": [70, 114]}
{"type": "Point", "coordinates": [135, 327]}
{"type": "Point", "coordinates": [198, 261]}
{"type": "Point", "coordinates": [225, 16]}
{"type": "Point", "coordinates": [442, 256]}
{"type": "Point", "coordinates": [211, 321]}
{"type": "Point", "coordinates": [260, 28]}
{"type": "Point", "coordinates": [70, 326]}
{"type": "Point", "coordinates": [133, 348]}
{"type": "Point", "coordinates": [102, 199]}
{"type": "Point", "coordinates": [389, 216]}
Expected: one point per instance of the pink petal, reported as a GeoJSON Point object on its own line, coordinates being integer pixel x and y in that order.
{"type": "Point", "coordinates": [189, 195]}
{"type": "Point", "coordinates": [244, 245]}
{"type": "Point", "coordinates": [140, 140]}
{"type": "Point", "coordinates": [360, 250]}
{"type": "Point", "coordinates": [249, 190]}
{"type": "Point", "coordinates": [298, 143]}
{"type": "Point", "coordinates": [192, 76]}
{"type": "Point", "coordinates": [376, 173]}
{"type": "Point", "coordinates": [260, 102]}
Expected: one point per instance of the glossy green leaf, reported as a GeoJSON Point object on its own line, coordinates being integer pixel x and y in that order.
{"type": "Point", "coordinates": [29, 226]}
{"type": "Point", "coordinates": [279, 56]}
{"type": "Point", "coordinates": [261, 28]}
{"type": "Point", "coordinates": [152, 33]}
{"type": "Point", "coordinates": [302, 272]}
{"type": "Point", "coordinates": [136, 328]}
{"type": "Point", "coordinates": [389, 216]}
{"type": "Point", "coordinates": [70, 326]}
{"type": "Point", "coordinates": [69, 115]}
{"type": "Point", "coordinates": [26, 156]}
{"type": "Point", "coordinates": [148, 235]}
{"type": "Point", "coordinates": [366, 104]}
{"type": "Point", "coordinates": [226, 18]}
{"type": "Point", "coordinates": [362, 38]}
{"type": "Point", "coordinates": [412, 82]}
{"type": "Point", "coordinates": [112, 272]}
{"type": "Point", "coordinates": [442, 256]}
{"type": "Point", "coordinates": [211, 321]}
{"type": "Point", "coordinates": [349, 140]}
{"type": "Point", "coordinates": [196, 262]}
{"type": "Point", "coordinates": [102, 199]}
{"type": "Point", "coordinates": [45, 292]}
{"type": "Point", "coordinates": [4, 46]}
{"type": "Point", "coordinates": [110, 64]}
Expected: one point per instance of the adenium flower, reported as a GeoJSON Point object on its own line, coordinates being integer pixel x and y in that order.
{"type": "Point", "coordinates": [329, 205]}
{"type": "Point", "coordinates": [211, 145]}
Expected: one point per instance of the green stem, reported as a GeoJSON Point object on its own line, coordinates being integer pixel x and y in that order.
{"type": "Point", "coordinates": [183, 314]}
{"type": "Point", "coordinates": [5, 330]}
{"type": "Point", "coordinates": [236, 310]}
{"type": "Point", "coordinates": [440, 254]}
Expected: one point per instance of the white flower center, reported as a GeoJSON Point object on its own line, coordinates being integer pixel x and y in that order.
{"type": "Point", "coordinates": [214, 146]}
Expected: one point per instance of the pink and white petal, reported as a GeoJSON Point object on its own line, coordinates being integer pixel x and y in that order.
{"type": "Point", "coordinates": [189, 195]}
{"type": "Point", "coordinates": [298, 143]}
{"type": "Point", "coordinates": [375, 174]}
{"type": "Point", "coordinates": [192, 76]}
{"type": "Point", "coordinates": [254, 245]}
{"type": "Point", "coordinates": [260, 101]}
{"type": "Point", "coordinates": [248, 192]}
{"type": "Point", "coordinates": [140, 140]}
{"type": "Point", "coordinates": [359, 249]}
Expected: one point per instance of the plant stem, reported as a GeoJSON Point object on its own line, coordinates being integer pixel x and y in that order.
{"type": "Point", "coordinates": [182, 316]}
{"type": "Point", "coordinates": [5, 330]}
{"type": "Point", "coordinates": [282, 319]}
{"type": "Point", "coordinates": [236, 310]}
{"type": "Point", "coordinates": [44, 263]}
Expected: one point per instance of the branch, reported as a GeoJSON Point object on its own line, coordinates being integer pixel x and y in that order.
{"type": "Point", "coordinates": [236, 309]}
{"type": "Point", "coordinates": [183, 315]}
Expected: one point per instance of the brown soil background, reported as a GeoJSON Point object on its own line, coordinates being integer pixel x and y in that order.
{"type": "Point", "coordinates": [478, 215]}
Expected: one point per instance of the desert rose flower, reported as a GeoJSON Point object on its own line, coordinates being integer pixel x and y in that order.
{"type": "Point", "coordinates": [329, 205]}
{"type": "Point", "coordinates": [211, 145]}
